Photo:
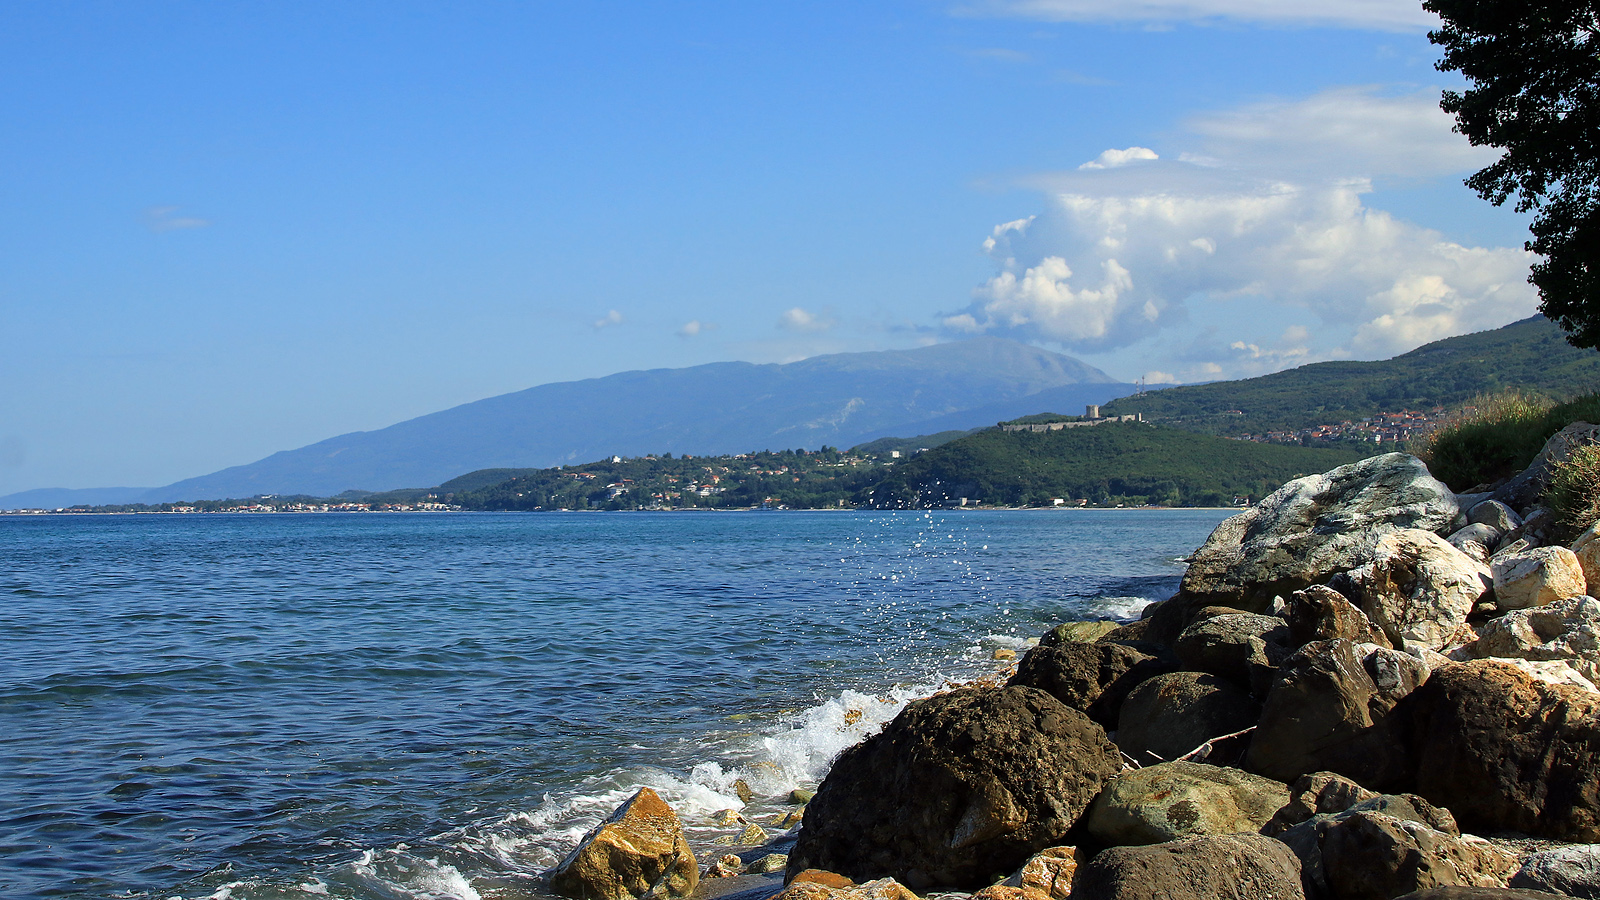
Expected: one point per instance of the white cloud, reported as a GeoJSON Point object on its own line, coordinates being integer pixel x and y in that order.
{"type": "Point", "coordinates": [611, 318]}
{"type": "Point", "coordinates": [1111, 159]}
{"type": "Point", "coordinates": [694, 327]}
{"type": "Point", "coordinates": [166, 218]}
{"type": "Point", "coordinates": [1156, 376]}
{"type": "Point", "coordinates": [1378, 15]}
{"type": "Point", "coordinates": [798, 319]}
{"type": "Point", "coordinates": [1273, 226]}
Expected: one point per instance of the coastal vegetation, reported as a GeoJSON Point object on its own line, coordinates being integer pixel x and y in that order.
{"type": "Point", "coordinates": [1498, 435]}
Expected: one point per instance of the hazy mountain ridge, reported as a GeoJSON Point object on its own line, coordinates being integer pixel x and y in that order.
{"type": "Point", "coordinates": [730, 407]}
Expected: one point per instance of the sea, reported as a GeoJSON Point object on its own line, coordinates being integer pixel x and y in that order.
{"type": "Point", "coordinates": [420, 706]}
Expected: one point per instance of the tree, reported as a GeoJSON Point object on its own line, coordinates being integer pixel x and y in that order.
{"type": "Point", "coordinates": [1534, 69]}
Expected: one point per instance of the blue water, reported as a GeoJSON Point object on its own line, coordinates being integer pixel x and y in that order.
{"type": "Point", "coordinates": [438, 705]}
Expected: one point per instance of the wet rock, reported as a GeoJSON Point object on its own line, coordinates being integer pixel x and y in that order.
{"type": "Point", "coordinates": [1176, 800]}
{"type": "Point", "coordinates": [1330, 711]}
{"type": "Point", "coordinates": [751, 836]}
{"type": "Point", "coordinates": [1170, 715]}
{"type": "Point", "coordinates": [958, 790]}
{"type": "Point", "coordinates": [1476, 541]}
{"type": "Point", "coordinates": [801, 796]}
{"type": "Point", "coordinates": [725, 867]}
{"type": "Point", "coordinates": [1244, 648]}
{"type": "Point", "coordinates": [1417, 588]}
{"type": "Point", "coordinates": [1536, 577]}
{"type": "Point", "coordinates": [1371, 856]}
{"type": "Point", "coordinates": [1313, 527]}
{"type": "Point", "coordinates": [741, 789]}
{"type": "Point", "coordinates": [767, 865]}
{"type": "Point", "coordinates": [1571, 871]}
{"type": "Point", "coordinates": [638, 851]}
{"type": "Point", "coordinates": [789, 819]}
{"type": "Point", "coordinates": [1227, 867]}
{"type": "Point", "coordinates": [1320, 613]}
{"type": "Point", "coordinates": [1507, 753]}
{"type": "Point", "coordinates": [1093, 678]}
{"type": "Point", "coordinates": [1566, 630]}
{"type": "Point", "coordinates": [1078, 632]}
{"type": "Point", "coordinates": [726, 817]}
{"type": "Point", "coordinates": [1004, 653]}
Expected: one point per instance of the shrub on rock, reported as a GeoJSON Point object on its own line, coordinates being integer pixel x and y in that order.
{"type": "Point", "coordinates": [1330, 710]}
{"type": "Point", "coordinates": [1507, 753]}
{"type": "Point", "coordinates": [1170, 715]}
{"type": "Point", "coordinates": [957, 790]}
{"type": "Point", "coordinates": [1176, 800]}
{"type": "Point", "coordinates": [638, 851]}
{"type": "Point", "coordinates": [1227, 867]}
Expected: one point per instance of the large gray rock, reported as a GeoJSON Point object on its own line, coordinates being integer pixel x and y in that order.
{"type": "Point", "coordinates": [1330, 710]}
{"type": "Point", "coordinates": [1320, 613]}
{"type": "Point", "coordinates": [1177, 800]}
{"type": "Point", "coordinates": [1507, 753]}
{"type": "Point", "coordinates": [1092, 678]}
{"type": "Point", "coordinates": [1172, 714]}
{"type": "Point", "coordinates": [1418, 588]}
{"type": "Point", "coordinates": [1494, 514]}
{"type": "Point", "coordinates": [1572, 871]}
{"type": "Point", "coordinates": [638, 851]}
{"type": "Point", "coordinates": [1314, 527]}
{"type": "Point", "coordinates": [1371, 856]}
{"type": "Point", "coordinates": [1306, 839]}
{"type": "Point", "coordinates": [1536, 577]}
{"type": "Point", "coordinates": [1476, 541]}
{"type": "Point", "coordinates": [957, 791]}
{"type": "Point", "coordinates": [1244, 648]}
{"type": "Point", "coordinates": [1528, 486]}
{"type": "Point", "coordinates": [1227, 867]}
{"type": "Point", "coordinates": [1567, 630]}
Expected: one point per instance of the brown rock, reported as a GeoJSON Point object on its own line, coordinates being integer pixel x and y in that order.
{"type": "Point", "coordinates": [958, 790]}
{"type": "Point", "coordinates": [1176, 800]}
{"type": "Point", "coordinates": [1170, 715]}
{"type": "Point", "coordinates": [881, 889]}
{"type": "Point", "coordinates": [1316, 793]}
{"type": "Point", "coordinates": [1370, 856]}
{"type": "Point", "coordinates": [1229, 867]}
{"type": "Point", "coordinates": [1478, 893]}
{"type": "Point", "coordinates": [1091, 678]}
{"type": "Point", "coordinates": [638, 851]}
{"type": "Point", "coordinates": [1330, 711]}
{"type": "Point", "coordinates": [1320, 613]}
{"type": "Point", "coordinates": [1507, 753]}
{"type": "Point", "coordinates": [726, 867]}
{"type": "Point", "coordinates": [1244, 648]}
{"type": "Point", "coordinates": [822, 877]}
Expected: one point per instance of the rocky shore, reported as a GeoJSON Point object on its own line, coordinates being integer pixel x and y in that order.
{"type": "Point", "coordinates": [1367, 686]}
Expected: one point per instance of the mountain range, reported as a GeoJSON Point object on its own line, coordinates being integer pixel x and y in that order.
{"type": "Point", "coordinates": [732, 407]}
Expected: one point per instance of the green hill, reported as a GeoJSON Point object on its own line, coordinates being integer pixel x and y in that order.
{"type": "Point", "coordinates": [1132, 463]}
{"type": "Point", "coordinates": [1530, 356]}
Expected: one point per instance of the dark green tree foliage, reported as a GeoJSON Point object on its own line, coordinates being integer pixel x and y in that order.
{"type": "Point", "coordinates": [1534, 67]}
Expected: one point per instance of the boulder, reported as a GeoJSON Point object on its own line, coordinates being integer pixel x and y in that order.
{"type": "Point", "coordinates": [1320, 613]}
{"type": "Point", "coordinates": [821, 876]}
{"type": "Point", "coordinates": [1417, 588]}
{"type": "Point", "coordinates": [1317, 793]}
{"type": "Point", "coordinates": [1047, 875]}
{"type": "Point", "coordinates": [957, 790]}
{"type": "Point", "coordinates": [1176, 800]}
{"type": "Point", "coordinates": [1453, 892]}
{"type": "Point", "coordinates": [726, 867]}
{"type": "Point", "coordinates": [1587, 548]}
{"type": "Point", "coordinates": [1494, 514]}
{"type": "Point", "coordinates": [1225, 867]}
{"type": "Point", "coordinates": [1371, 856]}
{"type": "Point", "coordinates": [1244, 648]}
{"type": "Point", "coordinates": [881, 889]}
{"type": "Point", "coordinates": [1170, 715]}
{"type": "Point", "coordinates": [1572, 871]}
{"type": "Point", "coordinates": [1330, 710]}
{"type": "Point", "coordinates": [1528, 486]}
{"type": "Point", "coordinates": [1079, 632]}
{"type": "Point", "coordinates": [767, 865]}
{"type": "Point", "coordinates": [1476, 541]}
{"type": "Point", "coordinates": [1507, 753]}
{"type": "Point", "coordinates": [1553, 671]}
{"type": "Point", "coordinates": [1536, 577]}
{"type": "Point", "coordinates": [1091, 678]}
{"type": "Point", "coordinates": [638, 851]}
{"type": "Point", "coordinates": [1313, 527]}
{"type": "Point", "coordinates": [1306, 839]}
{"type": "Point", "coordinates": [1567, 630]}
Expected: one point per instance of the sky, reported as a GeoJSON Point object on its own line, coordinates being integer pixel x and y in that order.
{"type": "Point", "coordinates": [228, 229]}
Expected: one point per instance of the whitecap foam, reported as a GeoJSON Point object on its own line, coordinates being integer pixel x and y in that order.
{"type": "Point", "coordinates": [1120, 608]}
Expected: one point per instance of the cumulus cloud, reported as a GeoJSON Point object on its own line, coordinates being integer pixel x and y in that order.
{"type": "Point", "coordinates": [694, 327]}
{"type": "Point", "coordinates": [611, 318]}
{"type": "Point", "coordinates": [166, 218]}
{"type": "Point", "coordinates": [1127, 246]}
{"type": "Point", "coordinates": [798, 319]}
{"type": "Point", "coordinates": [1377, 15]}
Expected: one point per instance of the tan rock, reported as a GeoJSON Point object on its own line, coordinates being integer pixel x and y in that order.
{"type": "Point", "coordinates": [882, 889]}
{"type": "Point", "coordinates": [1047, 875]}
{"type": "Point", "coordinates": [638, 851]}
{"type": "Point", "coordinates": [726, 817]}
{"type": "Point", "coordinates": [741, 789]}
{"type": "Point", "coordinates": [822, 877]}
{"type": "Point", "coordinates": [1001, 892]}
{"type": "Point", "coordinates": [726, 867]}
{"type": "Point", "coordinates": [1587, 549]}
{"type": "Point", "coordinates": [1537, 577]}
{"type": "Point", "coordinates": [1567, 630]}
{"type": "Point", "coordinates": [1418, 588]}
{"type": "Point", "coordinates": [766, 865]}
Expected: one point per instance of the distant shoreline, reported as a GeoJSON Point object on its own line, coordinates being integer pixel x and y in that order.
{"type": "Point", "coordinates": [34, 513]}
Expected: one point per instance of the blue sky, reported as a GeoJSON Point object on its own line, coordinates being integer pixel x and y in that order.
{"type": "Point", "coordinates": [230, 229]}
